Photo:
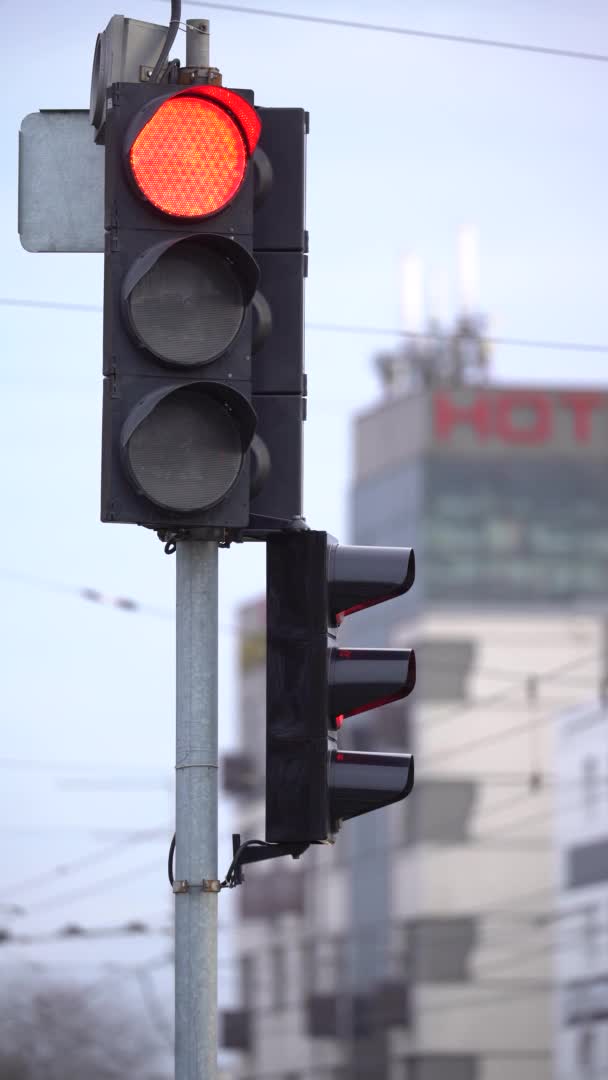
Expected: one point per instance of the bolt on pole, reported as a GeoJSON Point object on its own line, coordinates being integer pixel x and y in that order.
{"type": "Point", "coordinates": [196, 811]}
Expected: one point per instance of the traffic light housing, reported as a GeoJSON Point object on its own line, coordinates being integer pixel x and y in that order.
{"type": "Point", "coordinates": [280, 247]}
{"type": "Point", "coordinates": [313, 583]}
{"type": "Point", "coordinates": [202, 425]}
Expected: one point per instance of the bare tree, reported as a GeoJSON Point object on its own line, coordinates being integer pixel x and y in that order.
{"type": "Point", "coordinates": [61, 1031]}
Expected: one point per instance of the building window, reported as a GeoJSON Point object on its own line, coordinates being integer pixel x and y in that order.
{"type": "Point", "coordinates": [586, 1053]}
{"type": "Point", "coordinates": [247, 964]}
{"type": "Point", "coordinates": [308, 964]}
{"type": "Point", "coordinates": [441, 813]}
{"type": "Point", "coordinates": [440, 948]}
{"type": "Point", "coordinates": [590, 787]}
{"type": "Point", "coordinates": [590, 933]}
{"type": "Point", "coordinates": [278, 977]}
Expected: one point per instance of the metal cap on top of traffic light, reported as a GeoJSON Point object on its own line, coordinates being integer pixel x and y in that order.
{"type": "Point", "coordinates": [180, 283]}
{"type": "Point", "coordinates": [313, 583]}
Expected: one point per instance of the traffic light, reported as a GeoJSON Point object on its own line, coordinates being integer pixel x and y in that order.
{"type": "Point", "coordinates": [280, 250]}
{"type": "Point", "coordinates": [190, 433]}
{"type": "Point", "coordinates": [313, 685]}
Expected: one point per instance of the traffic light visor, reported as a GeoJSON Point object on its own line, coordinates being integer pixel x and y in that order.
{"type": "Point", "coordinates": [360, 782]}
{"type": "Point", "coordinates": [185, 301]}
{"type": "Point", "coordinates": [359, 577]}
{"type": "Point", "coordinates": [364, 679]}
{"type": "Point", "coordinates": [190, 156]}
{"type": "Point", "coordinates": [183, 447]}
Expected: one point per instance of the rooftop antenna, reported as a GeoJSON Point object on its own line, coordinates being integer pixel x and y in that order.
{"type": "Point", "coordinates": [470, 355]}
{"type": "Point", "coordinates": [396, 366]}
{"type": "Point", "coordinates": [412, 302]}
{"type": "Point", "coordinates": [468, 270]}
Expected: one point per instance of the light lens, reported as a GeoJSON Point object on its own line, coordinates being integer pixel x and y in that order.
{"type": "Point", "coordinates": [189, 160]}
{"type": "Point", "coordinates": [189, 307]}
{"type": "Point", "coordinates": [187, 452]}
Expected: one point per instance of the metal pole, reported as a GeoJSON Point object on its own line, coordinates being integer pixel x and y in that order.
{"type": "Point", "coordinates": [197, 43]}
{"type": "Point", "coordinates": [196, 794]}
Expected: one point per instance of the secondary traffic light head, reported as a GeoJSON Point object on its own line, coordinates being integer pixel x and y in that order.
{"type": "Point", "coordinates": [186, 444]}
{"type": "Point", "coordinates": [313, 583]}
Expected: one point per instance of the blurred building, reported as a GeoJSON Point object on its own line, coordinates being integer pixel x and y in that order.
{"type": "Point", "coordinates": [419, 946]}
{"type": "Point", "coordinates": [581, 923]}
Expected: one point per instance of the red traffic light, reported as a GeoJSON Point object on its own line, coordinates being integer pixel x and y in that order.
{"type": "Point", "coordinates": [190, 156]}
{"type": "Point", "coordinates": [359, 577]}
{"type": "Point", "coordinates": [364, 679]}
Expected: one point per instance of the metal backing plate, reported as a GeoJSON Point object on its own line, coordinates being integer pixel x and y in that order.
{"type": "Point", "coordinates": [61, 182]}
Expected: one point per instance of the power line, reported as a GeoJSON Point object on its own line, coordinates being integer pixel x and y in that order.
{"type": "Point", "coordinates": [74, 932]}
{"type": "Point", "coordinates": [159, 1020]}
{"type": "Point", "coordinates": [41, 764]}
{"type": "Point", "coordinates": [558, 672]}
{"type": "Point", "coordinates": [348, 328]}
{"type": "Point", "coordinates": [92, 858]}
{"type": "Point", "coordinates": [95, 596]}
{"type": "Point", "coordinates": [88, 593]}
{"type": "Point", "coordinates": [526, 727]}
{"type": "Point", "coordinates": [403, 31]}
{"type": "Point", "coordinates": [101, 886]}
{"type": "Point", "coordinates": [51, 304]}
{"type": "Point", "coordinates": [515, 342]}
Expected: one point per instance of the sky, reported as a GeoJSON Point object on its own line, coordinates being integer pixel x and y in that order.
{"type": "Point", "coordinates": [409, 138]}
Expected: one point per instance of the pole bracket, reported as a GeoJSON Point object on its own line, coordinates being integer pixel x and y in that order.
{"type": "Point", "coordinates": [210, 885]}
{"type": "Point", "coordinates": [256, 851]}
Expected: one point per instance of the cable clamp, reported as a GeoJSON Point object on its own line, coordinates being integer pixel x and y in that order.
{"type": "Point", "coordinates": [210, 885]}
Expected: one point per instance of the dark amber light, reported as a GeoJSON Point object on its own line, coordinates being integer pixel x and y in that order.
{"type": "Point", "coordinates": [189, 160]}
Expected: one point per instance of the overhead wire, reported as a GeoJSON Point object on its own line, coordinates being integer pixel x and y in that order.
{"type": "Point", "coordinates": [82, 862]}
{"type": "Point", "coordinates": [403, 31]}
{"type": "Point", "coordinates": [159, 1020]}
{"type": "Point", "coordinates": [570, 802]}
{"type": "Point", "coordinates": [491, 739]}
{"type": "Point", "coordinates": [556, 672]}
{"type": "Point", "coordinates": [72, 932]}
{"type": "Point", "coordinates": [88, 593]}
{"type": "Point", "coordinates": [347, 328]}
{"type": "Point", "coordinates": [98, 887]}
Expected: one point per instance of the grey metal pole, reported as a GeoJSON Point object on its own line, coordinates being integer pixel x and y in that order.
{"type": "Point", "coordinates": [197, 43]}
{"type": "Point", "coordinates": [196, 790]}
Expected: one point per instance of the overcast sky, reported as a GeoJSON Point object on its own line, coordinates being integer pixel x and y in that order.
{"type": "Point", "coordinates": [409, 138]}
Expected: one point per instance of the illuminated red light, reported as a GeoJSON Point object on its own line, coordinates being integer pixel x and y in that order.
{"type": "Point", "coordinates": [245, 113]}
{"type": "Point", "coordinates": [339, 721]}
{"type": "Point", "coordinates": [375, 704]}
{"type": "Point", "coordinates": [340, 615]}
{"type": "Point", "coordinates": [190, 158]}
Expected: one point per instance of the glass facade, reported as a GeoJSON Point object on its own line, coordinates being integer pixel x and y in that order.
{"type": "Point", "coordinates": [514, 530]}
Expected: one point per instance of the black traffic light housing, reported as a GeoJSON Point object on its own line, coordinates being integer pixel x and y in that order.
{"type": "Point", "coordinates": [204, 390]}
{"type": "Point", "coordinates": [312, 583]}
{"type": "Point", "coordinates": [280, 247]}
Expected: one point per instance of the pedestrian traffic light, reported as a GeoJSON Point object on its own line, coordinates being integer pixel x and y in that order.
{"type": "Point", "coordinates": [186, 444]}
{"type": "Point", "coordinates": [313, 583]}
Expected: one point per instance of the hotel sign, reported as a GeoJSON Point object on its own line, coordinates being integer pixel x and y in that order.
{"type": "Point", "coordinates": [521, 417]}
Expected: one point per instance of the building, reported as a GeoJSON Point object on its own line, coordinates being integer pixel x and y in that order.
{"type": "Point", "coordinates": [420, 946]}
{"type": "Point", "coordinates": [581, 920]}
